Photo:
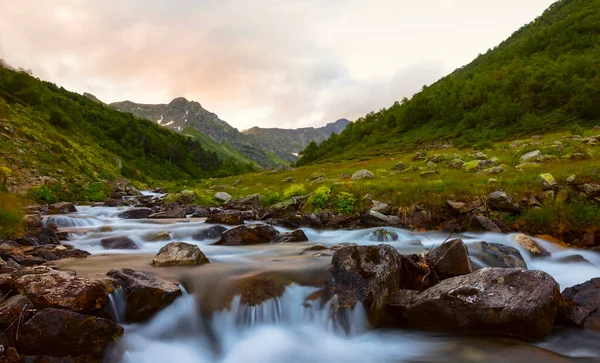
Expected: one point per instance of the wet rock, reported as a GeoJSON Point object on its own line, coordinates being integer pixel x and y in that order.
{"type": "Point", "coordinates": [248, 235]}
{"type": "Point", "coordinates": [222, 197]}
{"type": "Point", "coordinates": [371, 275]}
{"type": "Point", "coordinates": [62, 208]}
{"type": "Point", "coordinates": [383, 235]}
{"type": "Point", "coordinates": [547, 181]}
{"type": "Point", "coordinates": [212, 232]}
{"type": "Point", "coordinates": [486, 223]}
{"type": "Point", "coordinates": [512, 302]}
{"type": "Point", "coordinates": [376, 219]}
{"type": "Point", "coordinates": [532, 156]}
{"type": "Point", "coordinates": [317, 247]}
{"type": "Point", "coordinates": [67, 251]}
{"type": "Point", "coordinates": [50, 288]}
{"type": "Point", "coordinates": [531, 246]}
{"type": "Point", "coordinates": [287, 237]}
{"type": "Point", "coordinates": [496, 255]}
{"type": "Point", "coordinates": [145, 293]}
{"type": "Point", "coordinates": [47, 237]}
{"type": "Point", "coordinates": [60, 333]}
{"type": "Point", "coordinates": [11, 310]}
{"type": "Point", "coordinates": [197, 212]}
{"type": "Point", "coordinates": [179, 254]}
{"type": "Point", "coordinates": [256, 289]}
{"type": "Point", "coordinates": [250, 202]}
{"type": "Point", "coordinates": [119, 243]}
{"type": "Point", "coordinates": [501, 201]}
{"type": "Point", "coordinates": [585, 304]}
{"type": "Point", "coordinates": [451, 259]}
{"type": "Point", "coordinates": [232, 218]}
{"type": "Point", "coordinates": [136, 213]}
{"type": "Point", "coordinates": [342, 245]}
{"type": "Point", "coordinates": [175, 213]}
{"type": "Point", "coordinates": [362, 174]}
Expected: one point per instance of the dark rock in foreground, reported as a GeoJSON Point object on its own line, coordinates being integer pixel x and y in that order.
{"type": "Point", "coordinates": [584, 300]}
{"type": "Point", "coordinates": [145, 294]}
{"type": "Point", "coordinates": [248, 235]}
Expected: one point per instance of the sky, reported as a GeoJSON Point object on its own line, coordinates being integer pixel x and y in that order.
{"type": "Point", "coordinates": [267, 63]}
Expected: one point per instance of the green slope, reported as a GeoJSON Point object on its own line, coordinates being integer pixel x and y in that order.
{"type": "Point", "coordinates": [48, 132]}
{"type": "Point", "coordinates": [545, 77]}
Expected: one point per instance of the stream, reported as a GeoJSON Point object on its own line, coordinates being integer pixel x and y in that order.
{"type": "Point", "coordinates": [292, 328]}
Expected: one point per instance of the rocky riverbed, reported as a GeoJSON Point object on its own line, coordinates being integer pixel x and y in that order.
{"type": "Point", "coordinates": [122, 284]}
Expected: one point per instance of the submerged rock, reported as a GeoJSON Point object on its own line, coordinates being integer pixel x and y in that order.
{"type": "Point", "coordinates": [179, 254]}
{"type": "Point", "coordinates": [531, 246]}
{"type": "Point", "coordinates": [295, 236]}
{"type": "Point", "coordinates": [119, 243]}
{"type": "Point", "coordinates": [383, 235]}
{"type": "Point", "coordinates": [496, 255]}
{"type": "Point", "coordinates": [513, 302]}
{"type": "Point", "coordinates": [175, 213]}
{"type": "Point", "coordinates": [60, 333]}
{"type": "Point", "coordinates": [136, 213]}
{"type": "Point", "coordinates": [248, 235]}
{"type": "Point", "coordinates": [212, 232]}
{"type": "Point", "coordinates": [145, 293]}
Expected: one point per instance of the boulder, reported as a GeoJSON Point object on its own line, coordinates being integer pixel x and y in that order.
{"type": "Point", "coordinates": [383, 235]}
{"type": "Point", "coordinates": [585, 303]}
{"type": "Point", "coordinates": [295, 236]}
{"type": "Point", "coordinates": [175, 213]}
{"type": "Point", "coordinates": [513, 302]}
{"type": "Point", "coordinates": [197, 212]}
{"type": "Point", "coordinates": [451, 259]}
{"type": "Point", "coordinates": [119, 243]}
{"type": "Point", "coordinates": [60, 333]}
{"type": "Point", "coordinates": [231, 218]}
{"type": "Point", "coordinates": [486, 223]}
{"type": "Point", "coordinates": [32, 222]}
{"type": "Point", "coordinates": [547, 181]}
{"type": "Point", "coordinates": [502, 201]}
{"type": "Point", "coordinates": [371, 275]}
{"type": "Point", "coordinates": [145, 293]}
{"type": "Point", "coordinates": [376, 219]}
{"type": "Point", "coordinates": [532, 248]}
{"type": "Point", "coordinates": [50, 288]}
{"type": "Point", "coordinates": [212, 232]}
{"type": "Point", "coordinates": [47, 237]}
{"type": "Point", "coordinates": [248, 235]}
{"type": "Point", "coordinates": [136, 213]}
{"type": "Point", "coordinates": [179, 254]}
{"type": "Point", "coordinates": [186, 197]}
{"type": "Point", "coordinates": [496, 255]}
{"type": "Point", "coordinates": [362, 174]}
{"type": "Point", "coordinates": [532, 156]}
{"type": "Point", "coordinates": [11, 310]}
{"type": "Point", "coordinates": [222, 197]}
{"type": "Point", "coordinates": [250, 202]}
{"type": "Point", "coordinates": [62, 208]}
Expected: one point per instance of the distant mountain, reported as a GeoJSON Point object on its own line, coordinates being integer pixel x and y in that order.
{"type": "Point", "coordinates": [92, 97]}
{"type": "Point", "coordinates": [287, 143]}
{"type": "Point", "coordinates": [191, 118]}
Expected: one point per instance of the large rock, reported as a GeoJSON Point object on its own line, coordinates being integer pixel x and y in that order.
{"type": "Point", "coordinates": [248, 235]}
{"type": "Point", "coordinates": [60, 333]}
{"type": "Point", "coordinates": [451, 259]}
{"type": "Point", "coordinates": [586, 298]}
{"type": "Point", "coordinates": [502, 201]}
{"type": "Point", "coordinates": [11, 310]}
{"type": "Point", "coordinates": [547, 181]}
{"type": "Point", "coordinates": [175, 213]}
{"type": "Point", "coordinates": [222, 197]}
{"type": "Point", "coordinates": [119, 243]}
{"type": "Point", "coordinates": [136, 213]}
{"type": "Point", "coordinates": [250, 202]}
{"type": "Point", "coordinates": [231, 218]}
{"type": "Point", "coordinates": [376, 219]}
{"type": "Point", "coordinates": [50, 288]}
{"type": "Point", "coordinates": [186, 197]}
{"type": "Point", "coordinates": [371, 275]}
{"type": "Point", "coordinates": [212, 232]}
{"type": "Point", "coordinates": [62, 208]}
{"type": "Point", "coordinates": [496, 255]}
{"type": "Point", "coordinates": [512, 302]}
{"type": "Point", "coordinates": [295, 236]}
{"type": "Point", "coordinates": [531, 246]}
{"type": "Point", "coordinates": [179, 254]}
{"type": "Point", "coordinates": [532, 156]}
{"type": "Point", "coordinates": [145, 293]}
{"type": "Point", "coordinates": [362, 174]}
{"type": "Point", "coordinates": [32, 222]}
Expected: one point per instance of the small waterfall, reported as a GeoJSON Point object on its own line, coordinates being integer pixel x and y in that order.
{"type": "Point", "coordinates": [70, 221]}
{"type": "Point", "coordinates": [117, 304]}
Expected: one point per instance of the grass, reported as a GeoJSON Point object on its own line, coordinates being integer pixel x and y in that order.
{"type": "Point", "coordinates": [11, 215]}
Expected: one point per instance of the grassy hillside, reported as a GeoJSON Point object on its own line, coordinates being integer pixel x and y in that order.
{"type": "Point", "coordinates": [48, 134]}
{"type": "Point", "coordinates": [544, 78]}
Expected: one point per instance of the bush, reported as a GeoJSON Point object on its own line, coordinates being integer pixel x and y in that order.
{"type": "Point", "coordinates": [294, 190]}
{"type": "Point", "coordinates": [318, 200]}
{"type": "Point", "coordinates": [97, 192]}
{"type": "Point", "coordinates": [11, 216]}
{"type": "Point", "coordinates": [577, 130]}
{"type": "Point", "coordinates": [271, 199]}
{"type": "Point", "coordinates": [344, 203]}
{"type": "Point", "coordinates": [46, 193]}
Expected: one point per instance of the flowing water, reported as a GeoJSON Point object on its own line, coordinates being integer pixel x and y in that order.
{"type": "Point", "coordinates": [293, 328]}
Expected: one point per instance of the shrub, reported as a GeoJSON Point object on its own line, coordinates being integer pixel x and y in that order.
{"type": "Point", "coordinates": [272, 199]}
{"type": "Point", "coordinates": [97, 192]}
{"type": "Point", "coordinates": [318, 200]}
{"type": "Point", "coordinates": [11, 216]}
{"type": "Point", "coordinates": [344, 203]}
{"type": "Point", "coordinates": [46, 193]}
{"type": "Point", "coordinates": [577, 130]}
{"type": "Point", "coordinates": [294, 190]}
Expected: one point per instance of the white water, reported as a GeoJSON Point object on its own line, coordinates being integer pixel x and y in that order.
{"type": "Point", "coordinates": [289, 329]}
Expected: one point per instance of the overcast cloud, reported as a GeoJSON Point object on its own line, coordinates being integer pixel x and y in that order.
{"type": "Point", "coordinates": [267, 63]}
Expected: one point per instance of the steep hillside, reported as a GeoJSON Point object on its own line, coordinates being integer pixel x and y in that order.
{"type": "Point", "coordinates": [287, 143]}
{"type": "Point", "coordinates": [545, 77]}
{"type": "Point", "coordinates": [48, 134]}
{"type": "Point", "coordinates": [181, 114]}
